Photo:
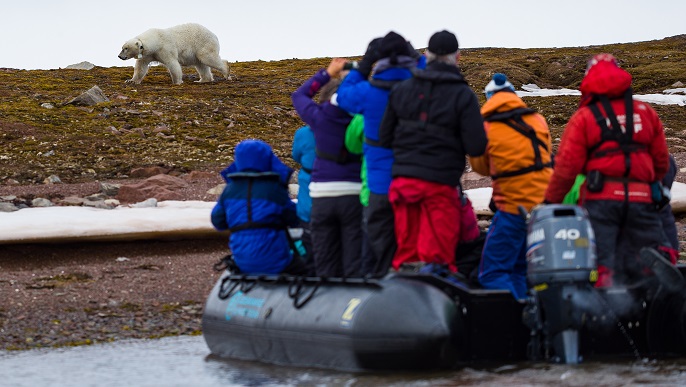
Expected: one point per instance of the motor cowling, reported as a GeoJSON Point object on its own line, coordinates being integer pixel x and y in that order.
{"type": "Point", "coordinates": [560, 245]}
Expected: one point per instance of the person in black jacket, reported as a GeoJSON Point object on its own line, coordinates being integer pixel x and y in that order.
{"type": "Point", "coordinates": [432, 122]}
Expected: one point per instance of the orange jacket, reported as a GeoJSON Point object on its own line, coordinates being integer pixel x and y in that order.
{"type": "Point", "coordinates": [508, 151]}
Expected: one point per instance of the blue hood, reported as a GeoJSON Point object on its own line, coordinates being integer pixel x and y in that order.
{"type": "Point", "coordinates": [256, 156]}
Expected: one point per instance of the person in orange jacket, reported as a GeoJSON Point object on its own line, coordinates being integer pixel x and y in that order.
{"type": "Point", "coordinates": [619, 144]}
{"type": "Point", "coordinates": [518, 160]}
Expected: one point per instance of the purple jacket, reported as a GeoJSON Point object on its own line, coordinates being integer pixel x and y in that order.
{"type": "Point", "coordinates": [328, 123]}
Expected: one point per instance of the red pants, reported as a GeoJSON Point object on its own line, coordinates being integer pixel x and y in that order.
{"type": "Point", "coordinates": [427, 221]}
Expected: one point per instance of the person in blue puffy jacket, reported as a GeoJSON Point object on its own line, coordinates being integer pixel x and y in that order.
{"type": "Point", "coordinates": [256, 208]}
{"type": "Point", "coordinates": [387, 61]}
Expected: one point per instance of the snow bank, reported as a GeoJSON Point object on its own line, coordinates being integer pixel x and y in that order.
{"type": "Point", "coordinates": [170, 219]}
{"type": "Point", "coordinates": [669, 97]}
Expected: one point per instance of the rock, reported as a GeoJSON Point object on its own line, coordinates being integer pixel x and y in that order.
{"type": "Point", "coordinates": [112, 202]}
{"type": "Point", "coordinates": [484, 224]}
{"type": "Point", "coordinates": [109, 189]}
{"type": "Point", "coordinates": [8, 207]}
{"type": "Point", "coordinates": [52, 179]}
{"type": "Point", "coordinates": [160, 187]}
{"type": "Point", "coordinates": [91, 97]}
{"type": "Point", "coordinates": [170, 137]}
{"type": "Point", "coordinates": [97, 204]}
{"type": "Point", "coordinates": [8, 198]}
{"type": "Point", "coordinates": [11, 182]}
{"type": "Point", "coordinates": [216, 190]}
{"type": "Point", "coordinates": [198, 175]}
{"type": "Point", "coordinates": [677, 84]}
{"type": "Point", "coordinates": [152, 202]}
{"type": "Point", "coordinates": [41, 202]}
{"type": "Point", "coordinates": [71, 201]}
{"type": "Point", "coordinates": [47, 105]}
{"type": "Point", "coordinates": [148, 172]}
{"type": "Point", "coordinates": [96, 197]}
{"type": "Point", "coordinates": [81, 66]}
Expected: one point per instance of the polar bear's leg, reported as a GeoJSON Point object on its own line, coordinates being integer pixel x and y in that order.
{"type": "Point", "coordinates": [140, 69]}
{"type": "Point", "coordinates": [205, 73]}
{"type": "Point", "coordinates": [227, 73]}
{"type": "Point", "coordinates": [213, 60]}
{"type": "Point", "coordinates": [175, 71]}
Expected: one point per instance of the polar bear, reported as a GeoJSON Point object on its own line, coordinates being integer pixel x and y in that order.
{"type": "Point", "coordinates": [183, 45]}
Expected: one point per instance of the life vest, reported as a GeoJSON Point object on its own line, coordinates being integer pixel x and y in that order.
{"type": "Point", "coordinates": [513, 119]}
{"type": "Point", "coordinates": [624, 139]}
{"type": "Point", "coordinates": [251, 224]}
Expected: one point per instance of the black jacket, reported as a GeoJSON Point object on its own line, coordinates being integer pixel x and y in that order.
{"type": "Point", "coordinates": [431, 136]}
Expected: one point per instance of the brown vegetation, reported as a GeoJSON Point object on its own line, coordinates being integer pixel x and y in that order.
{"type": "Point", "coordinates": [195, 126]}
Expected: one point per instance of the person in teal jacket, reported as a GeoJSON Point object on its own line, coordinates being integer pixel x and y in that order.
{"type": "Point", "coordinates": [304, 153]}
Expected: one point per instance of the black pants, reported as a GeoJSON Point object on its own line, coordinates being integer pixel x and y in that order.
{"type": "Point", "coordinates": [631, 226]}
{"type": "Point", "coordinates": [368, 258]}
{"type": "Point", "coordinates": [381, 230]}
{"type": "Point", "coordinates": [336, 236]}
{"type": "Point", "coordinates": [306, 240]}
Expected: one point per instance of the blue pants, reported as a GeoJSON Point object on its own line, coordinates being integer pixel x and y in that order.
{"type": "Point", "coordinates": [503, 262]}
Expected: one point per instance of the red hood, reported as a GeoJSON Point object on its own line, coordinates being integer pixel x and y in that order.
{"type": "Point", "coordinates": [604, 78]}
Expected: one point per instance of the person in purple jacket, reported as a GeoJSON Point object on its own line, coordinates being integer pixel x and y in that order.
{"type": "Point", "coordinates": [335, 182]}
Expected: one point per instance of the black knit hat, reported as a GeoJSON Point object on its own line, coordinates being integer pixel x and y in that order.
{"type": "Point", "coordinates": [443, 43]}
{"type": "Point", "coordinates": [393, 44]}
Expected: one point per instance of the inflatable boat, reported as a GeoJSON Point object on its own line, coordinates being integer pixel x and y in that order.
{"type": "Point", "coordinates": [410, 320]}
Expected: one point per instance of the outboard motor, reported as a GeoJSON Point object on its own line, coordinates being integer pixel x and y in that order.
{"type": "Point", "coordinates": [561, 263]}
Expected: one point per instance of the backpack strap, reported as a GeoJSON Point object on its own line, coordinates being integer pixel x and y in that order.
{"type": "Point", "coordinates": [624, 138]}
{"type": "Point", "coordinates": [514, 120]}
{"type": "Point", "coordinates": [342, 157]}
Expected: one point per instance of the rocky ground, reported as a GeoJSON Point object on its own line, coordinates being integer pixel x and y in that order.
{"type": "Point", "coordinates": [80, 293]}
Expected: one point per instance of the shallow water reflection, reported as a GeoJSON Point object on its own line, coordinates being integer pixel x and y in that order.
{"type": "Point", "coordinates": [185, 361]}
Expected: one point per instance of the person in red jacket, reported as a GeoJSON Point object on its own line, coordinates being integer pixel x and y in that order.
{"type": "Point", "coordinates": [619, 143]}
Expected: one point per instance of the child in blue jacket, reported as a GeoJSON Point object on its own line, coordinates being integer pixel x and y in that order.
{"type": "Point", "coordinates": [256, 208]}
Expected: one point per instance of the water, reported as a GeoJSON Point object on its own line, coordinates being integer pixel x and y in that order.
{"type": "Point", "coordinates": [186, 361]}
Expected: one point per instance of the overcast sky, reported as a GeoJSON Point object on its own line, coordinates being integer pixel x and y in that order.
{"type": "Point", "coordinates": [43, 34]}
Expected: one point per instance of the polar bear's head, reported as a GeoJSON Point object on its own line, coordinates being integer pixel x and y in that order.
{"type": "Point", "coordinates": [131, 49]}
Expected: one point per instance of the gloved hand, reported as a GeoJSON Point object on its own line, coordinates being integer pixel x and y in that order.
{"type": "Point", "coordinates": [364, 66]}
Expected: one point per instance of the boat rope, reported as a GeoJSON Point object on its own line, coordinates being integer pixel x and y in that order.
{"type": "Point", "coordinates": [296, 291]}
{"type": "Point", "coordinates": [226, 263]}
{"type": "Point", "coordinates": [226, 288]}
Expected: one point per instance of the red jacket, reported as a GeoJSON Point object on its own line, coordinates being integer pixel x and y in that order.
{"type": "Point", "coordinates": [583, 132]}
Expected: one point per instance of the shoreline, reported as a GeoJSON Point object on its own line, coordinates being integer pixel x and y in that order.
{"type": "Point", "coordinates": [85, 293]}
